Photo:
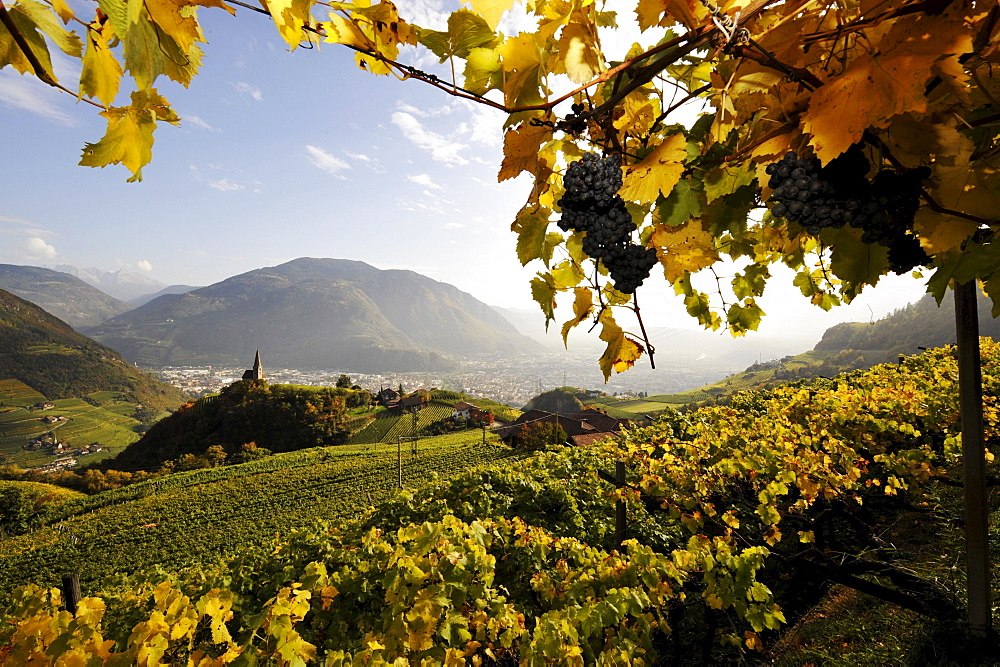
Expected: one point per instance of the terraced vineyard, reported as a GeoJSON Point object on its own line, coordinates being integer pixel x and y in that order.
{"type": "Point", "coordinates": [84, 424]}
{"type": "Point", "coordinates": [16, 393]}
{"type": "Point", "coordinates": [387, 427]}
{"type": "Point", "coordinates": [204, 515]}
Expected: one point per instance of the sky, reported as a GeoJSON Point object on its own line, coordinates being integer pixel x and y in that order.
{"type": "Point", "coordinates": [301, 154]}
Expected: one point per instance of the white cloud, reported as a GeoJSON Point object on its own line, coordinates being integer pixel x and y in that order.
{"type": "Point", "coordinates": [440, 148]}
{"type": "Point", "coordinates": [29, 94]}
{"type": "Point", "coordinates": [198, 122]}
{"type": "Point", "coordinates": [424, 180]}
{"type": "Point", "coordinates": [225, 185]}
{"type": "Point", "coordinates": [144, 265]}
{"type": "Point", "coordinates": [321, 159]}
{"type": "Point", "coordinates": [35, 249]}
{"type": "Point", "coordinates": [247, 89]}
{"type": "Point", "coordinates": [453, 225]}
{"type": "Point", "coordinates": [425, 13]}
{"type": "Point", "coordinates": [360, 157]}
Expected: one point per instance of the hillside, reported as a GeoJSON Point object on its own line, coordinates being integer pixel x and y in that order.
{"type": "Point", "coordinates": [279, 418]}
{"type": "Point", "coordinates": [837, 544]}
{"type": "Point", "coordinates": [46, 354]}
{"type": "Point", "coordinates": [315, 313]}
{"type": "Point", "coordinates": [198, 516]}
{"type": "Point", "coordinates": [67, 297]}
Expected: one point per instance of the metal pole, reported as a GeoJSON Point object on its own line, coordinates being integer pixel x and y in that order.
{"type": "Point", "coordinates": [970, 382]}
{"type": "Point", "coordinates": [399, 458]}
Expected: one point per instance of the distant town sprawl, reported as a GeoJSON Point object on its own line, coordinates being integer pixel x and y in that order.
{"type": "Point", "coordinates": [512, 382]}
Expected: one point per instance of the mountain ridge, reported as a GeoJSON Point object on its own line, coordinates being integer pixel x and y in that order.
{"type": "Point", "coordinates": [315, 313]}
{"type": "Point", "coordinates": [61, 294]}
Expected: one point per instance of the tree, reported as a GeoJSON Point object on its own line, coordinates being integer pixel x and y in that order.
{"type": "Point", "coordinates": [538, 435]}
{"type": "Point", "coordinates": [344, 382]}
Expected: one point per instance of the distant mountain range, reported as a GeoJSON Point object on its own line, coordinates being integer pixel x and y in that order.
{"type": "Point", "coordinates": [69, 298]}
{"type": "Point", "coordinates": [170, 289]}
{"type": "Point", "coordinates": [315, 313]}
{"type": "Point", "coordinates": [46, 354]}
{"type": "Point", "coordinates": [121, 284]}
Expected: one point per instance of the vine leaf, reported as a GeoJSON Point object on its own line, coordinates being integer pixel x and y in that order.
{"type": "Point", "coordinates": [583, 306]}
{"type": "Point", "coordinates": [466, 31]}
{"type": "Point", "coordinates": [685, 248]}
{"type": "Point", "coordinates": [622, 352]}
{"type": "Point", "coordinates": [657, 172]}
{"type": "Point", "coordinates": [491, 10]}
{"type": "Point", "coordinates": [129, 137]}
{"type": "Point", "coordinates": [102, 73]}
{"type": "Point", "coordinates": [521, 149]}
{"type": "Point", "coordinates": [886, 83]}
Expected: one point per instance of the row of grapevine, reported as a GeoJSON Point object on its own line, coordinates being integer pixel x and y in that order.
{"type": "Point", "coordinates": [203, 517]}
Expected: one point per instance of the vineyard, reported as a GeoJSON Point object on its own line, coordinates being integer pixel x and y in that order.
{"type": "Point", "coordinates": [740, 519]}
{"type": "Point", "coordinates": [109, 426]}
{"type": "Point", "coordinates": [16, 393]}
{"type": "Point", "coordinates": [204, 515]}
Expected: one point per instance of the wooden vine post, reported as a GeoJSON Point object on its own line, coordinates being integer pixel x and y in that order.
{"type": "Point", "coordinates": [970, 380]}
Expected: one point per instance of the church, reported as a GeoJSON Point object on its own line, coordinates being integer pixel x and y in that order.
{"type": "Point", "coordinates": [255, 373]}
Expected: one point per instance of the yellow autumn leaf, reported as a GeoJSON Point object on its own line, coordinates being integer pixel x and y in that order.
{"type": "Point", "coordinates": [687, 247]}
{"type": "Point", "coordinates": [714, 601]}
{"type": "Point", "coordinates": [289, 17]}
{"type": "Point", "coordinates": [583, 305]}
{"type": "Point", "coordinates": [491, 10]}
{"type": "Point", "coordinates": [102, 73]}
{"type": "Point", "coordinates": [183, 28]}
{"type": "Point", "coordinates": [657, 172]}
{"type": "Point", "coordinates": [621, 352]}
{"type": "Point", "coordinates": [638, 115]}
{"type": "Point", "coordinates": [340, 30]}
{"type": "Point", "coordinates": [882, 84]}
{"type": "Point", "coordinates": [581, 56]}
{"type": "Point", "coordinates": [521, 146]}
{"type": "Point", "coordinates": [90, 610]}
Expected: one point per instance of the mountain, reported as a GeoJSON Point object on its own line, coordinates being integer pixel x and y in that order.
{"type": "Point", "coordinates": [46, 354]}
{"type": "Point", "coordinates": [121, 284]}
{"type": "Point", "coordinates": [67, 297]}
{"type": "Point", "coordinates": [315, 313]}
{"type": "Point", "coordinates": [920, 324]}
{"type": "Point", "coordinates": [171, 289]}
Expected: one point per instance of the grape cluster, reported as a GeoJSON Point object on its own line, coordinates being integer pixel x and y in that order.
{"type": "Point", "coordinates": [592, 205]}
{"type": "Point", "coordinates": [840, 193]}
{"type": "Point", "coordinates": [574, 123]}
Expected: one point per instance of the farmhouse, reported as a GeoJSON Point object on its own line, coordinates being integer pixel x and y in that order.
{"type": "Point", "coordinates": [581, 428]}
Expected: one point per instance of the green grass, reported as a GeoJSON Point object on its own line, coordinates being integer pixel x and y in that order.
{"type": "Point", "coordinates": [204, 515]}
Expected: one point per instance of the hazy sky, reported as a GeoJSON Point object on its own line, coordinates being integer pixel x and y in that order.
{"type": "Point", "coordinates": [283, 155]}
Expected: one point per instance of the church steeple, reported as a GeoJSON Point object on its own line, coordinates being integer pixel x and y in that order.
{"type": "Point", "coordinates": [257, 372]}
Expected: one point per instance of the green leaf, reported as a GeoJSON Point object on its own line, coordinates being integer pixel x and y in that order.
{"type": "Point", "coordinates": [531, 226]}
{"type": "Point", "coordinates": [727, 179]}
{"type": "Point", "coordinates": [466, 31]}
{"type": "Point", "coordinates": [143, 55]}
{"type": "Point", "coordinates": [683, 203]}
{"type": "Point", "coordinates": [751, 282]}
{"type": "Point", "coordinates": [543, 291]}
